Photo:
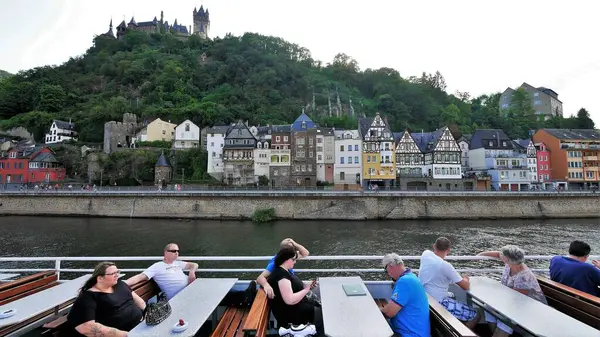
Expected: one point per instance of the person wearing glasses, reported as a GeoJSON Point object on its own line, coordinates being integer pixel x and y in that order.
{"type": "Point", "coordinates": [290, 305]}
{"type": "Point", "coordinates": [408, 309]}
{"type": "Point", "coordinates": [106, 306]}
{"type": "Point", "coordinates": [168, 273]}
{"type": "Point", "coordinates": [262, 278]}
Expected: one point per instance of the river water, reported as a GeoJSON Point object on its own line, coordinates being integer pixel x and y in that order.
{"type": "Point", "coordinates": [54, 236]}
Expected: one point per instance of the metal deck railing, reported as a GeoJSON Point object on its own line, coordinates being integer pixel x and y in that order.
{"type": "Point", "coordinates": [58, 262]}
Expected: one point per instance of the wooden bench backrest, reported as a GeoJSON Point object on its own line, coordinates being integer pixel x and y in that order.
{"type": "Point", "coordinates": [146, 289]}
{"type": "Point", "coordinates": [27, 285]}
{"type": "Point", "coordinates": [257, 319]}
{"type": "Point", "coordinates": [572, 302]}
{"type": "Point", "coordinates": [441, 317]}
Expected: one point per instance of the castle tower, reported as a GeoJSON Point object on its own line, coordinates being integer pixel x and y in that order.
{"type": "Point", "coordinates": [201, 22]}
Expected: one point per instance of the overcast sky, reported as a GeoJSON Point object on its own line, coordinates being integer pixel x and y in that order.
{"type": "Point", "coordinates": [479, 46]}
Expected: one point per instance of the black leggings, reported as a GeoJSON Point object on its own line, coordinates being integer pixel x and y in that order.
{"type": "Point", "coordinates": [318, 321]}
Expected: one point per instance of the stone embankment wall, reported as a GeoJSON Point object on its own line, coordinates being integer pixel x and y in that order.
{"type": "Point", "coordinates": [308, 205]}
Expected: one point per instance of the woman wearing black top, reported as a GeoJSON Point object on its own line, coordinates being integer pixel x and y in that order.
{"type": "Point", "coordinates": [106, 306]}
{"type": "Point", "coordinates": [290, 305]}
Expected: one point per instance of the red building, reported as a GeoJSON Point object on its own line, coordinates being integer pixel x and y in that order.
{"type": "Point", "coordinates": [543, 165]}
{"type": "Point", "coordinates": [30, 165]}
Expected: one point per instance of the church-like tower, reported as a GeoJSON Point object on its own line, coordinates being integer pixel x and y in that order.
{"type": "Point", "coordinates": [201, 22]}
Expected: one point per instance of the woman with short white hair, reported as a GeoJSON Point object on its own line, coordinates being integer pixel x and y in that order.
{"type": "Point", "coordinates": [516, 275]}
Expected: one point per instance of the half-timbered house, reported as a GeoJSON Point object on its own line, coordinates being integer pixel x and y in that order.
{"type": "Point", "coordinates": [378, 158]}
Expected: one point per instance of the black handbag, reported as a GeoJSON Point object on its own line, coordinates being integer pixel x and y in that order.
{"type": "Point", "coordinates": [159, 311]}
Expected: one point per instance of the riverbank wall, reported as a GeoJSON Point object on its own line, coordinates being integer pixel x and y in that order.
{"type": "Point", "coordinates": [307, 205]}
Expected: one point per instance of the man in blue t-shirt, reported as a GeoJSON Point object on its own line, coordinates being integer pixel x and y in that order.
{"type": "Point", "coordinates": [573, 271]}
{"type": "Point", "coordinates": [408, 309]}
{"type": "Point", "coordinates": [262, 278]}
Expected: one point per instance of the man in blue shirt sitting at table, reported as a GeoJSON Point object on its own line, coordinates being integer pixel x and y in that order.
{"type": "Point", "coordinates": [408, 309]}
{"type": "Point", "coordinates": [573, 271]}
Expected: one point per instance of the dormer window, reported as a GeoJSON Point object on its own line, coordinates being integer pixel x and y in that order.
{"type": "Point", "coordinates": [187, 127]}
{"type": "Point", "coordinates": [259, 145]}
{"type": "Point", "coordinates": [239, 132]}
{"type": "Point", "coordinates": [491, 143]}
{"type": "Point", "coordinates": [303, 124]}
{"type": "Point", "coordinates": [13, 155]}
{"type": "Point", "coordinates": [504, 144]}
{"type": "Point", "coordinates": [266, 145]}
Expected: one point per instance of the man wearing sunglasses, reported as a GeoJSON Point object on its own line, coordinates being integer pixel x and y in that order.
{"type": "Point", "coordinates": [168, 273]}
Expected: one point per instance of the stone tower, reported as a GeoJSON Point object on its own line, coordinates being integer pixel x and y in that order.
{"type": "Point", "coordinates": [201, 22]}
{"type": "Point", "coordinates": [162, 170]}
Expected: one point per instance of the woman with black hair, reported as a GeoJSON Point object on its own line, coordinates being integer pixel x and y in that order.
{"type": "Point", "coordinates": [106, 306]}
{"type": "Point", "coordinates": [290, 304]}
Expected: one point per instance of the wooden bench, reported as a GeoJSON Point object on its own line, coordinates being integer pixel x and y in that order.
{"type": "Point", "coordinates": [19, 288]}
{"type": "Point", "coordinates": [443, 324]}
{"type": "Point", "coordinates": [231, 322]}
{"type": "Point", "coordinates": [577, 304]}
{"type": "Point", "coordinates": [257, 321]}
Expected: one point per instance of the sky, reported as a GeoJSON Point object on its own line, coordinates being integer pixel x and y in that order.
{"type": "Point", "coordinates": [478, 46]}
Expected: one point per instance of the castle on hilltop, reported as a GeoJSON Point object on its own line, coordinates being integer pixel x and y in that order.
{"type": "Point", "coordinates": [200, 17]}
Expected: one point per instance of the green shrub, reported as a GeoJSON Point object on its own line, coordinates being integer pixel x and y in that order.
{"type": "Point", "coordinates": [264, 215]}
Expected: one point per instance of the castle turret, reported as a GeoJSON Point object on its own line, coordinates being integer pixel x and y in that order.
{"type": "Point", "coordinates": [121, 29]}
{"type": "Point", "coordinates": [110, 33]}
{"type": "Point", "coordinates": [132, 22]}
{"type": "Point", "coordinates": [201, 22]}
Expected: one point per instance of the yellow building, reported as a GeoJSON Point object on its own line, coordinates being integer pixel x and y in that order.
{"type": "Point", "coordinates": [378, 159]}
{"type": "Point", "coordinates": [157, 130]}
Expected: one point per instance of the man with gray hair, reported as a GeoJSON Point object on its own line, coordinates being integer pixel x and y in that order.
{"type": "Point", "coordinates": [408, 309]}
{"type": "Point", "coordinates": [436, 275]}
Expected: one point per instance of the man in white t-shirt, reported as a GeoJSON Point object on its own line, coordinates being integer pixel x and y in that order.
{"type": "Point", "coordinates": [168, 273]}
{"type": "Point", "coordinates": [436, 275]}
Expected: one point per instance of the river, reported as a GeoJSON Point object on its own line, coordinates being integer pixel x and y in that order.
{"type": "Point", "coordinates": [55, 236]}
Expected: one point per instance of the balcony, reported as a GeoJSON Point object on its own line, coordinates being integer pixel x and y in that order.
{"type": "Point", "coordinates": [591, 168]}
{"type": "Point", "coordinates": [590, 158]}
{"type": "Point", "coordinates": [387, 163]}
{"type": "Point", "coordinates": [238, 159]}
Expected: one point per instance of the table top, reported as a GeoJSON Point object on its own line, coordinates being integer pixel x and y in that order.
{"type": "Point", "coordinates": [350, 316]}
{"type": "Point", "coordinates": [529, 314]}
{"type": "Point", "coordinates": [42, 301]}
{"type": "Point", "coordinates": [6, 277]}
{"type": "Point", "coordinates": [194, 304]}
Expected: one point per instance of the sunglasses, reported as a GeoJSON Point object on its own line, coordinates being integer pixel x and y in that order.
{"type": "Point", "coordinates": [173, 250]}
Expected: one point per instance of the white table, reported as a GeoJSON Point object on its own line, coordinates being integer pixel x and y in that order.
{"type": "Point", "coordinates": [7, 277]}
{"type": "Point", "coordinates": [194, 304]}
{"type": "Point", "coordinates": [525, 312]}
{"type": "Point", "coordinates": [40, 302]}
{"type": "Point", "coordinates": [350, 316]}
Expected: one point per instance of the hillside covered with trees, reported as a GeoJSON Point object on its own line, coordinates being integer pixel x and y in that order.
{"type": "Point", "coordinates": [262, 79]}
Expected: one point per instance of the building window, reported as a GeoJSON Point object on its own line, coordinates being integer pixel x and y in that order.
{"type": "Point", "coordinates": [349, 160]}
{"type": "Point", "coordinates": [349, 147]}
{"type": "Point", "coordinates": [342, 176]}
{"type": "Point", "coordinates": [341, 148]}
{"type": "Point", "coordinates": [341, 160]}
{"type": "Point", "coordinates": [13, 155]}
{"type": "Point", "coordinates": [356, 147]}
{"type": "Point", "coordinates": [285, 138]}
{"type": "Point", "coordinates": [355, 160]}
